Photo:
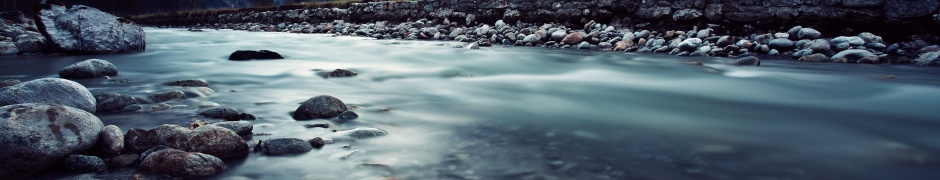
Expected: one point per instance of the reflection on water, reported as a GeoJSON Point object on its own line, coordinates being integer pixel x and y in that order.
{"type": "Point", "coordinates": [534, 113]}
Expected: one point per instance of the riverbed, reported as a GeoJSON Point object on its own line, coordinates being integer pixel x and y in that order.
{"type": "Point", "coordinates": [535, 113]}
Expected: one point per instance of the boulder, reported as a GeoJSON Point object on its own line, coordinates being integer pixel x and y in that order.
{"type": "Point", "coordinates": [808, 33]}
{"type": "Point", "coordinates": [870, 38]}
{"type": "Point", "coordinates": [209, 139]}
{"type": "Point", "coordinates": [781, 44]}
{"type": "Point", "coordinates": [184, 164]}
{"type": "Point", "coordinates": [362, 133]}
{"type": "Point", "coordinates": [794, 32]}
{"type": "Point", "coordinates": [86, 30]}
{"type": "Point", "coordinates": [690, 44]}
{"type": "Point", "coordinates": [851, 54]}
{"type": "Point", "coordinates": [573, 39]}
{"type": "Point", "coordinates": [111, 141]}
{"type": "Point", "coordinates": [724, 41]}
{"type": "Point", "coordinates": [746, 61]}
{"type": "Point", "coordinates": [322, 106]}
{"type": "Point", "coordinates": [818, 46]}
{"type": "Point", "coordinates": [91, 68]}
{"type": "Point", "coordinates": [285, 146]}
{"type": "Point", "coordinates": [83, 163]}
{"type": "Point", "coordinates": [8, 48]}
{"type": "Point", "coordinates": [227, 113]}
{"type": "Point", "coordinates": [138, 140]}
{"type": "Point", "coordinates": [928, 59]}
{"type": "Point", "coordinates": [242, 55]}
{"type": "Point", "coordinates": [531, 38]}
{"type": "Point", "coordinates": [347, 73]}
{"type": "Point", "coordinates": [188, 83]}
{"type": "Point", "coordinates": [239, 127]}
{"type": "Point", "coordinates": [37, 136]}
{"type": "Point", "coordinates": [558, 35]}
{"type": "Point", "coordinates": [348, 115]}
{"type": "Point", "coordinates": [851, 40]}
{"type": "Point", "coordinates": [815, 58]}
{"type": "Point", "coordinates": [49, 90]}
{"type": "Point", "coordinates": [113, 102]}
{"type": "Point", "coordinates": [30, 42]}
{"type": "Point", "coordinates": [125, 160]}
{"type": "Point", "coordinates": [167, 95]}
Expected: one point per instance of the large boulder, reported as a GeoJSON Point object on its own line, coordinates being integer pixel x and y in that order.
{"type": "Point", "coordinates": [285, 146]}
{"type": "Point", "coordinates": [111, 141]}
{"type": "Point", "coordinates": [184, 164]}
{"type": "Point", "coordinates": [113, 102]}
{"type": "Point", "coordinates": [49, 90]}
{"type": "Point", "coordinates": [36, 136]}
{"type": "Point", "coordinates": [209, 139]}
{"type": "Point", "coordinates": [91, 68]}
{"type": "Point", "coordinates": [86, 30]}
{"type": "Point", "coordinates": [928, 59]}
{"type": "Point", "coordinates": [30, 42]}
{"type": "Point", "coordinates": [322, 106]}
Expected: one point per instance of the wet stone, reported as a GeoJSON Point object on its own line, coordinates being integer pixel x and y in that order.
{"type": "Point", "coordinates": [188, 83]}
{"type": "Point", "coordinates": [167, 95]}
{"type": "Point", "coordinates": [285, 146]}
{"type": "Point", "coordinates": [348, 115]}
{"type": "Point", "coordinates": [227, 113]}
{"type": "Point", "coordinates": [91, 68]}
{"type": "Point", "coordinates": [83, 163]}
{"type": "Point", "coordinates": [323, 106]}
{"type": "Point", "coordinates": [339, 73]}
{"type": "Point", "coordinates": [317, 142]}
{"type": "Point", "coordinates": [242, 55]}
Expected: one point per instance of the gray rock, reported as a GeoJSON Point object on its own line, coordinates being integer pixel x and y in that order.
{"type": "Point", "coordinates": [818, 46]}
{"type": "Point", "coordinates": [531, 38]}
{"type": "Point", "coordinates": [455, 33]}
{"type": "Point", "coordinates": [876, 46]}
{"type": "Point", "coordinates": [167, 95]}
{"type": "Point", "coordinates": [899, 9]}
{"type": "Point", "coordinates": [809, 33]}
{"type": "Point", "coordinates": [851, 54]}
{"type": "Point", "coordinates": [125, 160]}
{"type": "Point", "coordinates": [473, 45]}
{"type": "Point", "coordinates": [111, 141]}
{"type": "Point", "coordinates": [151, 151]}
{"type": "Point", "coordinates": [928, 59]}
{"type": "Point", "coordinates": [851, 40]}
{"type": "Point", "coordinates": [690, 44]}
{"type": "Point", "coordinates": [322, 106]}
{"type": "Point", "coordinates": [795, 31]}
{"type": "Point", "coordinates": [37, 136]}
{"type": "Point", "coordinates": [91, 68]}
{"type": "Point", "coordinates": [862, 3]}
{"type": "Point", "coordinates": [801, 53]}
{"type": "Point", "coordinates": [815, 58]}
{"type": "Point", "coordinates": [643, 34]}
{"type": "Point", "coordinates": [558, 35]}
{"type": "Point", "coordinates": [113, 102]}
{"type": "Point", "coordinates": [781, 44]}
{"type": "Point", "coordinates": [8, 48]}
{"type": "Point", "coordinates": [285, 146]}
{"type": "Point", "coordinates": [348, 115]}
{"type": "Point", "coordinates": [83, 29]}
{"type": "Point", "coordinates": [28, 43]}
{"type": "Point", "coordinates": [184, 164]}
{"type": "Point", "coordinates": [746, 61]}
{"type": "Point", "coordinates": [338, 73]}
{"type": "Point", "coordinates": [209, 139]}
{"type": "Point", "coordinates": [705, 33]}
{"type": "Point", "coordinates": [724, 41]}
{"type": "Point", "coordinates": [226, 113]}
{"type": "Point", "coordinates": [9, 82]}
{"type": "Point", "coordinates": [83, 163]}
{"type": "Point", "coordinates": [158, 107]}
{"type": "Point", "coordinates": [870, 38]}
{"type": "Point", "coordinates": [362, 133]}
{"type": "Point", "coordinates": [686, 14]}
{"type": "Point", "coordinates": [49, 90]}
{"type": "Point", "coordinates": [188, 83]}
{"type": "Point", "coordinates": [138, 140]}
{"type": "Point", "coordinates": [240, 127]}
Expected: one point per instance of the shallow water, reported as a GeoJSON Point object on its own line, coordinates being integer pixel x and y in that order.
{"type": "Point", "coordinates": [537, 113]}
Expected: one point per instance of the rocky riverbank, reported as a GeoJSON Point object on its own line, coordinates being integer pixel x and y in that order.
{"type": "Point", "coordinates": [70, 30]}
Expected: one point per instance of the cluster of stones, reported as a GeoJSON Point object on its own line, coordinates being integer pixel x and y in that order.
{"type": "Point", "coordinates": [73, 29]}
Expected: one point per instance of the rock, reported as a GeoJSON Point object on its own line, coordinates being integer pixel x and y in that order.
{"type": "Point", "coordinates": [795, 31]}
{"type": "Point", "coordinates": [246, 116]}
{"type": "Point", "coordinates": [113, 102]}
{"type": "Point", "coordinates": [531, 38]}
{"type": "Point", "coordinates": [111, 141]}
{"type": "Point", "coordinates": [801, 53]}
{"type": "Point", "coordinates": [138, 140]}
{"type": "Point", "coordinates": [690, 44]}
{"type": "Point", "coordinates": [558, 35]}
{"type": "Point", "coordinates": [851, 54]}
{"type": "Point", "coordinates": [242, 55]}
{"type": "Point", "coordinates": [808, 33]}
{"type": "Point", "coordinates": [861, 3]}
{"type": "Point", "coordinates": [158, 107]}
{"type": "Point", "coordinates": [151, 151]}
{"type": "Point", "coordinates": [870, 38]}
{"type": "Point", "coordinates": [227, 113]}
{"type": "Point", "coordinates": [86, 30]}
{"type": "Point", "coordinates": [37, 136]}
{"type": "Point", "coordinates": [322, 106]}
{"type": "Point", "coordinates": [209, 139]}
{"type": "Point", "coordinates": [873, 59]}
{"type": "Point", "coordinates": [746, 61]}
{"type": "Point", "coordinates": [818, 46]}
{"type": "Point", "coordinates": [348, 115]}
{"type": "Point", "coordinates": [240, 127]}
{"type": "Point", "coordinates": [188, 83]}
{"type": "Point", "coordinates": [362, 133]}
{"type": "Point", "coordinates": [705, 33]}
{"type": "Point", "coordinates": [167, 95]}
{"type": "Point", "coordinates": [28, 43]}
{"type": "Point", "coordinates": [317, 142]}
{"type": "Point", "coordinates": [126, 160]}
{"type": "Point", "coordinates": [781, 44]}
{"type": "Point", "coordinates": [645, 34]}
{"type": "Point", "coordinates": [285, 146]}
{"type": "Point", "coordinates": [9, 82]}
{"type": "Point", "coordinates": [49, 90]}
{"type": "Point", "coordinates": [573, 39]}
{"type": "Point", "coordinates": [815, 58]}
{"type": "Point", "coordinates": [686, 14]}
{"type": "Point", "coordinates": [928, 59]}
{"type": "Point", "coordinates": [899, 9]}
{"type": "Point", "coordinates": [455, 33]}
{"type": "Point", "coordinates": [8, 48]}
{"type": "Point", "coordinates": [339, 73]}
{"type": "Point", "coordinates": [178, 163]}
{"type": "Point", "coordinates": [851, 40]}
{"type": "Point", "coordinates": [724, 41]}
{"type": "Point", "coordinates": [91, 68]}
{"type": "Point", "coordinates": [473, 45]}
{"type": "Point", "coordinates": [83, 163]}
{"type": "Point", "coordinates": [622, 45]}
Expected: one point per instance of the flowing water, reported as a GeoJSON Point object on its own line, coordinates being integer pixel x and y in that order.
{"type": "Point", "coordinates": [537, 113]}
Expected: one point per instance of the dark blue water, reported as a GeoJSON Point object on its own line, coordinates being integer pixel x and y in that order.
{"type": "Point", "coordinates": [538, 113]}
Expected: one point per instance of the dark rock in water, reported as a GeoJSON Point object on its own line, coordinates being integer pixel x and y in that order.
{"type": "Point", "coordinates": [113, 102]}
{"type": "Point", "coordinates": [86, 30]}
{"type": "Point", "coordinates": [898, 9]}
{"type": "Point", "coordinates": [184, 164]}
{"type": "Point", "coordinates": [240, 127]}
{"type": "Point", "coordinates": [111, 141]}
{"type": "Point", "coordinates": [339, 73]}
{"type": "Point", "coordinates": [362, 133]}
{"type": "Point", "coordinates": [30, 42]}
{"type": "Point", "coordinates": [227, 113]}
{"type": "Point", "coordinates": [851, 54]}
{"type": "Point", "coordinates": [316, 125]}
{"type": "Point", "coordinates": [151, 150]}
{"type": "Point", "coordinates": [126, 160]}
{"type": "Point", "coordinates": [815, 58]}
{"type": "Point", "coordinates": [241, 55]}
{"type": "Point", "coordinates": [285, 146]}
{"type": "Point", "coordinates": [138, 140]}
{"type": "Point", "coordinates": [209, 139]}
{"type": "Point", "coordinates": [322, 106]}
{"type": "Point", "coordinates": [781, 44]}
{"type": "Point", "coordinates": [9, 82]}
{"type": "Point", "coordinates": [167, 95]}
{"type": "Point", "coordinates": [746, 61]}
{"type": "Point", "coordinates": [91, 68]}
{"type": "Point", "coordinates": [188, 83]}
{"type": "Point", "coordinates": [37, 136]}
{"type": "Point", "coordinates": [348, 115]}
{"type": "Point", "coordinates": [317, 142]}
{"type": "Point", "coordinates": [49, 90]}
{"type": "Point", "coordinates": [246, 116]}
{"type": "Point", "coordinates": [83, 163]}
{"type": "Point", "coordinates": [928, 59]}
{"type": "Point", "coordinates": [159, 107]}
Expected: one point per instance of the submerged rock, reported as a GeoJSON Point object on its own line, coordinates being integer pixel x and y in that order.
{"type": "Point", "coordinates": [241, 55]}
{"type": "Point", "coordinates": [322, 106]}
{"type": "Point", "coordinates": [815, 58]}
{"type": "Point", "coordinates": [113, 102]}
{"type": "Point", "coordinates": [49, 90]}
{"type": "Point", "coordinates": [179, 163]}
{"type": "Point", "coordinates": [167, 95]}
{"type": "Point", "coordinates": [851, 54]}
{"type": "Point", "coordinates": [339, 73]}
{"type": "Point", "coordinates": [38, 136]}
{"type": "Point", "coordinates": [188, 83]}
{"type": "Point", "coordinates": [227, 113]}
{"type": "Point", "coordinates": [91, 68]}
{"type": "Point", "coordinates": [348, 115]}
{"type": "Point", "coordinates": [209, 139]}
{"type": "Point", "coordinates": [111, 141]}
{"type": "Point", "coordinates": [746, 61]}
{"type": "Point", "coordinates": [317, 142]}
{"type": "Point", "coordinates": [86, 30]}
{"type": "Point", "coordinates": [285, 146]}
{"type": "Point", "coordinates": [363, 132]}
{"type": "Point", "coordinates": [83, 163]}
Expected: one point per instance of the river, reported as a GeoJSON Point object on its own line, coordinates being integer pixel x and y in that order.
{"type": "Point", "coordinates": [536, 113]}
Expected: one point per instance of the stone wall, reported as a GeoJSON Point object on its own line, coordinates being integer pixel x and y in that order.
{"type": "Point", "coordinates": [893, 18]}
